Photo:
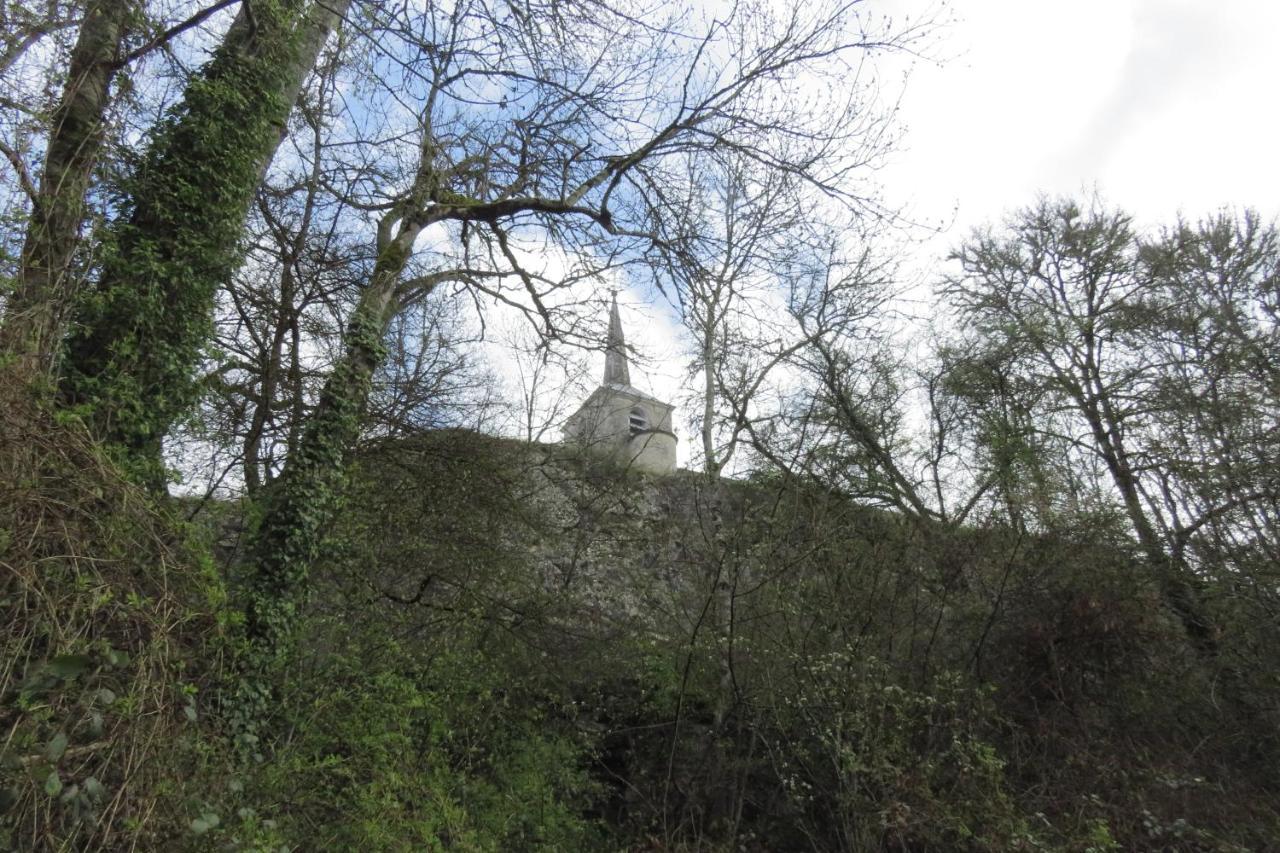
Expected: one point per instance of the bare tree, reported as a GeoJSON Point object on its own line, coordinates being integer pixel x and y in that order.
{"type": "Point", "coordinates": [550, 124]}
{"type": "Point", "coordinates": [549, 383]}
{"type": "Point", "coordinates": [432, 376]}
{"type": "Point", "coordinates": [724, 255]}
{"type": "Point", "coordinates": [279, 315]}
{"type": "Point", "coordinates": [24, 24]}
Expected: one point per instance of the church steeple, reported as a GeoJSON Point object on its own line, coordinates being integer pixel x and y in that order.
{"type": "Point", "coordinates": [616, 369]}
{"type": "Point", "coordinates": [620, 420]}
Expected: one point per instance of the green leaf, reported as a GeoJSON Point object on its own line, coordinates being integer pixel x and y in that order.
{"type": "Point", "coordinates": [204, 823]}
{"type": "Point", "coordinates": [69, 666]}
{"type": "Point", "coordinates": [57, 746]}
{"type": "Point", "coordinates": [53, 784]}
{"type": "Point", "coordinates": [94, 789]}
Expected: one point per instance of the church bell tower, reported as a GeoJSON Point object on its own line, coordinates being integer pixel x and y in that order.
{"type": "Point", "coordinates": [620, 420]}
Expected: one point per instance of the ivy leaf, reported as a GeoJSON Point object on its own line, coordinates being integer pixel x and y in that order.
{"type": "Point", "coordinates": [53, 784]}
{"type": "Point", "coordinates": [56, 747]}
{"type": "Point", "coordinates": [69, 666]}
{"type": "Point", "coordinates": [204, 823]}
{"type": "Point", "coordinates": [48, 676]}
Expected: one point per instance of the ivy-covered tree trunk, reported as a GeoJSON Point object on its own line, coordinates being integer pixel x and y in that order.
{"type": "Point", "coordinates": [301, 503]}
{"type": "Point", "coordinates": [36, 312]}
{"type": "Point", "coordinates": [139, 336]}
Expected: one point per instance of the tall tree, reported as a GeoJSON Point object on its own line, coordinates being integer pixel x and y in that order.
{"type": "Point", "coordinates": [999, 412]}
{"type": "Point", "coordinates": [1212, 327]}
{"type": "Point", "coordinates": [139, 336]}
{"type": "Point", "coordinates": [1062, 286]}
{"type": "Point", "coordinates": [35, 313]}
{"type": "Point", "coordinates": [728, 250]}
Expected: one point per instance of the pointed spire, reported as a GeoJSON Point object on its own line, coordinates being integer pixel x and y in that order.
{"type": "Point", "coordinates": [616, 370]}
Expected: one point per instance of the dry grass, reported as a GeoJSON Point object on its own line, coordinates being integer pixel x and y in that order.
{"type": "Point", "coordinates": [99, 600]}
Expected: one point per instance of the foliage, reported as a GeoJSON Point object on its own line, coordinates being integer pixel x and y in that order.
{"type": "Point", "coordinates": [139, 335]}
{"type": "Point", "coordinates": [113, 739]}
{"type": "Point", "coordinates": [109, 648]}
{"type": "Point", "coordinates": [867, 763]}
{"type": "Point", "coordinates": [962, 689]}
{"type": "Point", "coordinates": [1075, 701]}
{"type": "Point", "coordinates": [387, 752]}
{"type": "Point", "coordinates": [304, 501]}
{"type": "Point", "coordinates": [423, 728]}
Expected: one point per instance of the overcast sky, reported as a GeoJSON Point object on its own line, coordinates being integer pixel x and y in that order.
{"type": "Point", "coordinates": [1165, 106]}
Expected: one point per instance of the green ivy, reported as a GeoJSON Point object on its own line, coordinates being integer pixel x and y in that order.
{"type": "Point", "coordinates": [138, 338]}
{"type": "Point", "coordinates": [304, 501]}
{"type": "Point", "coordinates": [392, 753]}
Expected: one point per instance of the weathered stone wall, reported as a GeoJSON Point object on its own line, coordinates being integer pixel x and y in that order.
{"type": "Point", "coordinates": [580, 549]}
{"type": "Point", "coordinates": [577, 541]}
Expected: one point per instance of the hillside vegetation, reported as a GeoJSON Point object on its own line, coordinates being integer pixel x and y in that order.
{"type": "Point", "coordinates": [275, 274]}
{"type": "Point", "coordinates": [572, 657]}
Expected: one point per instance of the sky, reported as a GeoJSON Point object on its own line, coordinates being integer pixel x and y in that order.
{"type": "Point", "coordinates": [1165, 107]}
{"type": "Point", "coordinates": [1162, 106]}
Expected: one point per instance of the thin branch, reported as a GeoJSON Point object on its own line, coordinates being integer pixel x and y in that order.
{"type": "Point", "coordinates": [24, 177]}
{"type": "Point", "coordinates": [173, 32]}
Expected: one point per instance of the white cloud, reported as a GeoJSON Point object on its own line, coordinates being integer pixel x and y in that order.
{"type": "Point", "coordinates": [1164, 105]}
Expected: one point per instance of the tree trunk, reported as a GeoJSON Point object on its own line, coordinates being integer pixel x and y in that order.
{"type": "Point", "coordinates": [144, 329]}
{"type": "Point", "coordinates": [1171, 575]}
{"type": "Point", "coordinates": [301, 504]}
{"type": "Point", "coordinates": [36, 312]}
{"type": "Point", "coordinates": [711, 465]}
{"type": "Point", "coordinates": [272, 368]}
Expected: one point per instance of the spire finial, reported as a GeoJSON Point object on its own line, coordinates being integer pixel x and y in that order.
{"type": "Point", "coordinates": [616, 370]}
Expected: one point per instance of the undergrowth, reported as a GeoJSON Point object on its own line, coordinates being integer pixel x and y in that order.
{"type": "Point", "coordinates": [116, 666]}
{"type": "Point", "coordinates": [109, 648]}
{"type": "Point", "coordinates": [457, 685]}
